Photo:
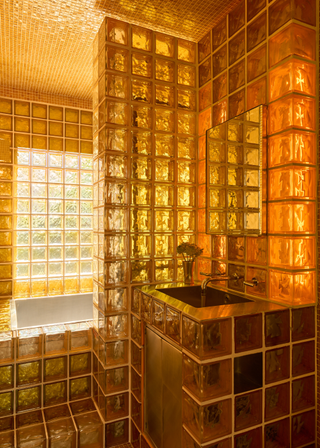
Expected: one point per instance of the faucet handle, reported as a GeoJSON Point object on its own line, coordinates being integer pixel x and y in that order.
{"type": "Point", "coordinates": [254, 282]}
{"type": "Point", "coordinates": [206, 274]}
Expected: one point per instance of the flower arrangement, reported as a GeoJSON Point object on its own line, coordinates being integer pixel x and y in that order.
{"type": "Point", "coordinates": [189, 251]}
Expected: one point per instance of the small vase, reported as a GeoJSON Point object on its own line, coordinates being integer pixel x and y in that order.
{"type": "Point", "coordinates": [188, 272]}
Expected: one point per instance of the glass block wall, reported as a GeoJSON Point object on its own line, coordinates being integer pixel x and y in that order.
{"type": "Point", "coordinates": [264, 54]}
{"type": "Point", "coordinates": [51, 168]}
{"type": "Point", "coordinates": [145, 127]}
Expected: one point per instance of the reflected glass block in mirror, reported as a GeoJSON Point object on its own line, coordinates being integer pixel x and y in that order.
{"type": "Point", "coordinates": [234, 174]}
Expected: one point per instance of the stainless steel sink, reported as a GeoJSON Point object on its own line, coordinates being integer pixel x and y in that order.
{"type": "Point", "coordinates": [192, 296]}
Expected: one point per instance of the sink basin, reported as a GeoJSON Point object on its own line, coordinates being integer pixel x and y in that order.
{"type": "Point", "coordinates": [192, 296]}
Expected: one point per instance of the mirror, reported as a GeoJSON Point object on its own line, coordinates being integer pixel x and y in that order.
{"type": "Point", "coordinates": [234, 163]}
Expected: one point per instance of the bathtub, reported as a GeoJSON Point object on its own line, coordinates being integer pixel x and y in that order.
{"type": "Point", "coordinates": [41, 311]}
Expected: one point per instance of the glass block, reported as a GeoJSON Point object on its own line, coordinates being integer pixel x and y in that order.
{"type": "Point", "coordinates": [55, 144]}
{"type": "Point", "coordinates": [80, 336]}
{"type": "Point", "coordinates": [5, 172]}
{"type": "Point", "coordinates": [236, 19]}
{"type": "Point", "coordinates": [236, 104]}
{"type": "Point", "coordinates": [29, 343]}
{"type": "Point", "coordinates": [303, 326]}
{"type": "Point", "coordinates": [204, 121]}
{"type": "Point", "coordinates": [116, 59]}
{"type": "Point", "coordinates": [219, 34]}
{"type": "Point", "coordinates": [292, 76]}
{"type": "Point", "coordinates": [219, 61]}
{"type": "Point", "coordinates": [164, 271]}
{"type": "Point", "coordinates": [164, 95]}
{"type": "Point", "coordinates": [39, 127]}
{"type": "Point", "coordinates": [140, 271]}
{"type": "Point", "coordinates": [80, 388]}
{"type": "Point", "coordinates": [186, 51]}
{"type": "Point", "coordinates": [34, 435]}
{"type": "Point", "coordinates": [303, 360]}
{"type": "Point", "coordinates": [117, 31]}
{"type": "Point", "coordinates": [186, 172]}
{"type": "Point", "coordinates": [55, 368]}
{"type": "Point", "coordinates": [80, 364]}
{"type": "Point", "coordinates": [256, 32]}
{"type": "Point", "coordinates": [164, 144]}
{"type": "Point", "coordinates": [294, 218]}
{"type": "Point", "coordinates": [186, 75]}
{"type": "Point", "coordinates": [303, 393]}
{"type": "Point", "coordinates": [164, 70]}
{"type": "Point", "coordinates": [21, 141]}
{"type": "Point", "coordinates": [20, 124]}
{"type": "Point", "coordinates": [141, 91]}
{"type": "Point", "coordinates": [116, 113]}
{"type": "Point", "coordinates": [29, 398]}
{"type": "Point", "coordinates": [290, 42]}
{"type": "Point", "coordinates": [136, 385]}
{"type": "Point", "coordinates": [6, 403]}
{"type": "Point", "coordinates": [205, 97]}
{"type": "Point", "coordinates": [55, 338]}
{"type": "Point", "coordinates": [307, 434]}
{"type": "Point", "coordinates": [254, 436]}
{"type": "Point", "coordinates": [187, 122]}
{"type": "Point", "coordinates": [55, 129]}
{"type": "Point", "coordinates": [277, 365]}
{"type": "Point", "coordinates": [141, 117]}
{"type": "Point", "coordinates": [204, 47]}
{"type": "Point", "coordinates": [204, 72]}
{"type": "Point", "coordinates": [248, 333]}
{"type": "Point", "coordinates": [207, 380]}
{"type": "Point", "coordinates": [141, 38]}
{"type": "Point", "coordinates": [257, 63]}
{"type": "Point", "coordinates": [277, 401]}
{"type": "Point", "coordinates": [186, 148]}
{"type": "Point", "coordinates": [6, 122]}
{"type": "Point", "coordinates": [290, 183]}
{"type": "Point", "coordinates": [22, 108]}
{"type": "Point", "coordinates": [186, 220]}
{"type": "Point", "coordinates": [186, 197]}
{"type": "Point", "coordinates": [55, 393]}
{"type": "Point", "coordinates": [5, 106]}
{"type": "Point", "coordinates": [62, 433]}
{"type": "Point", "coordinates": [173, 319]}
{"type": "Point", "coordinates": [164, 120]}
{"type": "Point", "coordinates": [207, 340]}
{"type": "Point", "coordinates": [248, 410]}
{"type": "Point", "coordinates": [6, 377]}
{"type": "Point", "coordinates": [141, 142]}
{"type": "Point", "coordinates": [55, 113]}
{"type": "Point", "coordinates": [141, 65]}
{"type": "Point", "coordinates": [256, 93]}
{"type": "Point", "coordinates": [164, 45]}
{"type": "Point", "coordinates": [8, 137]}
{"type": "Point", "coordinates": [236, 76]}
{"type": "Point", "coordinates": [236, 47]}
{"type": "Point", "coordinates": [297, 146]}
{"type": "Point", "coordinates": [29, 373]}
{"type": "Point", "coordinates": [140, 168]}
{"type": "Point", "coordinates": [206, 422]}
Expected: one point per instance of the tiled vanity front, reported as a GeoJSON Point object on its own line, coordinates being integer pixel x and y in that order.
{"type": "Point", "coordinates": [248, 370]}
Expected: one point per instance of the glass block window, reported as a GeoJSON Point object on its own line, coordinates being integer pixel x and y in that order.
{"type": "Point", "coordinates": [53, 213]}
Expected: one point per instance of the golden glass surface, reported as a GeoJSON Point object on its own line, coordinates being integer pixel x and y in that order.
{"type": "Point", "coordinates": [141, 38]}
{"type": "Point", "coordinates": [186, 75]}
{"type": "Point", "coordinates": [141, 65]}
{"type": "Point", "coordinates": [164, 70]}
{"type": "Point", "coordinates": [164, 45]}
{"type": "Point", "coordinates": [5, 106]}
{"type": "Point", "coordinates": [22, 108]}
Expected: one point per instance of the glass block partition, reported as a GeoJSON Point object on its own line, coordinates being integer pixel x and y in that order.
{"type": "Point", "coordinates": [264, 54]}
{"type": "Point", "coordinates": [145, 124]}
{"type": "Point", "coordinates": [47, 183]}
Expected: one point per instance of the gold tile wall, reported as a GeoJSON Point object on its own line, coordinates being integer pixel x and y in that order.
{"type": "Point", "coordinates": [145, 125]}
{"type": "Point", "coordinates": [47, 181]}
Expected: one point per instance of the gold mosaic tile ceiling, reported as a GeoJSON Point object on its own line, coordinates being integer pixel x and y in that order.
{"type": "Point", "coordinates": [46, 45]}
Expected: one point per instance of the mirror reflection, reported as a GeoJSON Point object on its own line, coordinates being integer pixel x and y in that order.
{"type": "Point", "coordinates": [234, 174]}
